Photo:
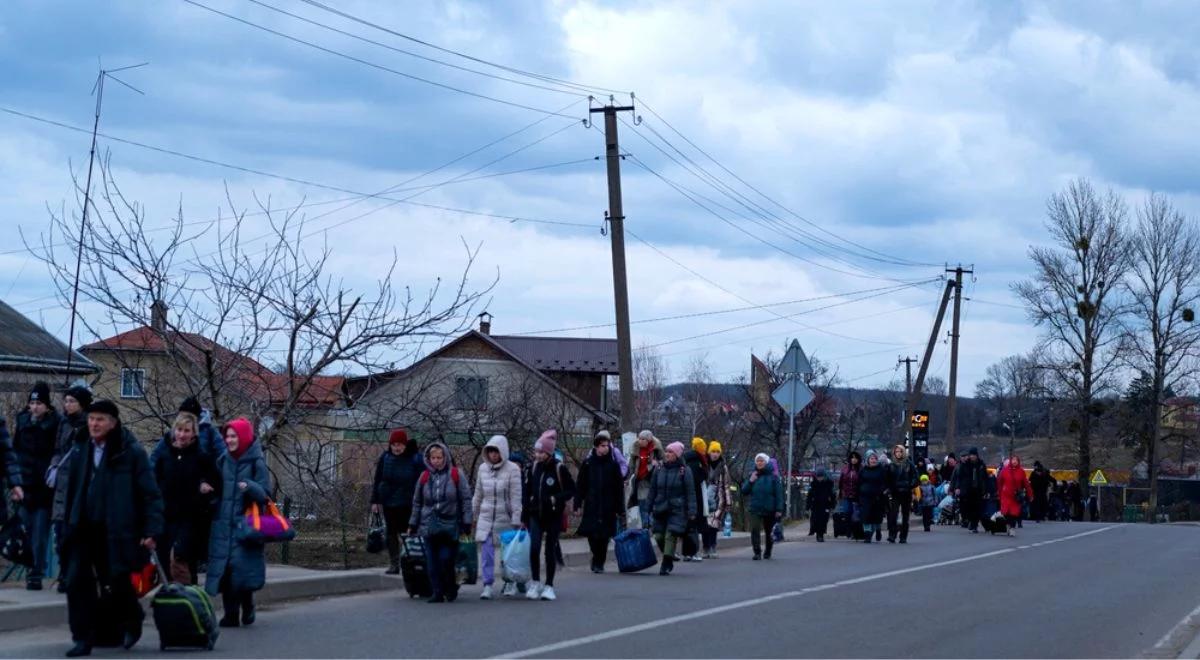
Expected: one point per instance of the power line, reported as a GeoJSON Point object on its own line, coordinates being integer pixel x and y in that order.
{"type": "Point", "coordinates": [503, 67]}
{"type": "Point", "coordinates": [816, 226]}
{"type": "Point", "coordinates": [375, 65]}
{"type": "Point", "coordinates": [419, 56]}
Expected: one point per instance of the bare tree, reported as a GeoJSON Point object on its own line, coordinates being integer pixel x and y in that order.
{"type": "Point", "coordinates": [935, 385]}
{"type": "Point", "coordinates": [1074, 297]}
{"type": "Point", "coordinates": [1164, 290]}
{"type": "Point", "coordinates": [697, 391]}
{"type": "Point", "coordinates": [650, 376]}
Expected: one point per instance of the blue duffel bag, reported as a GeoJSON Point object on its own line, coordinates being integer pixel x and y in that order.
{"type": "Point", "coordinates": [634, 551]}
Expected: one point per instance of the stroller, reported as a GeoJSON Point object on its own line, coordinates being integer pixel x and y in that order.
{"type": "Point", "coordinates": [946, 512]}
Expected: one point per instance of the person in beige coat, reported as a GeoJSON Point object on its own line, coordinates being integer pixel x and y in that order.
{"type": "Point", "coordinates": [497, 507]}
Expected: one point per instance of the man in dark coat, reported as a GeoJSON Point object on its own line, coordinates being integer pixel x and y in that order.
{"type": "Point", "coordinates": [969, 485]}
{"type": "Point", "coordinates": [903, 477]}
{"type": "Point", "coordinates": [34, 442]}
{"type": "Point", "coordinates": [113, 512]}
{"type": "Point", "coordinates": [1040, 481]}
{"type": "Point", "coordinates": [600, 492]}
{"type": "Point", "coordinates": [820, 501]}
{"type": "Point", "coordinates": [396, 475]}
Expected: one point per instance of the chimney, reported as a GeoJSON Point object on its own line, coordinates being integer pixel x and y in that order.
{"type": "Point", "coordinates": [158, 316]}
{"type": "Point", "coordinates": [485, 323]}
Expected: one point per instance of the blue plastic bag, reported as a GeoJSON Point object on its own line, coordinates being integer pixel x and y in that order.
{"type": "Point", "coordinates": [514, 556]}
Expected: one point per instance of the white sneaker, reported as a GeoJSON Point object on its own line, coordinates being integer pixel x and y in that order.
{"type": "Point", "coordinates": [508, 590]}
{"type": "Point", "coordinates": [548, 593]}
{"type": "Point", "coordinates": [697, 558]}
{"type": "Point", "coordinates": [487, 592]}
{"type": "Point", "coordinates": [533, 591]}
{"type": "Point", "coordinates": [1011, 533]}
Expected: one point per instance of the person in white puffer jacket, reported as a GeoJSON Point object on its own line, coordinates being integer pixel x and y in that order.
{"type": "Point", "coordinates": [497, 508]}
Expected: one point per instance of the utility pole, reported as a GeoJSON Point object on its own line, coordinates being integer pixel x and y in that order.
{"type": "Point", "coordinates": [907, 362]}
{"type": "Point", "coordinates": [98, 90]}
{"type": "Point", "coordinates": [616, 221]}
{"type": "Point", "coordinates": [952, 401]}
{"type": "Point", "coordinates": [915, 396]}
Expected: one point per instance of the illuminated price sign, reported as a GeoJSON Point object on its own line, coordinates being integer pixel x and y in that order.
{"type": "Point", "coordinates": [920, 434]}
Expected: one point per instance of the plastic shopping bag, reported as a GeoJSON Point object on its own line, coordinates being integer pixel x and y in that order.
{"type": "Point", "coordinates": [514, 555]}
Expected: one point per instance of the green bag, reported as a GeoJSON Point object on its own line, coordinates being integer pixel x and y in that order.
{"type": "Point", "coordinates": [466, 566]}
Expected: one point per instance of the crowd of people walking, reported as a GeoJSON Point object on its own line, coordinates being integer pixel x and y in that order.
{"type": "Point", "coordinates": [85, 478]}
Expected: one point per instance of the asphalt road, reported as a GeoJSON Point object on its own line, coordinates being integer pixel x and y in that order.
{"type": "Point", "coordinates": [1057, 590]}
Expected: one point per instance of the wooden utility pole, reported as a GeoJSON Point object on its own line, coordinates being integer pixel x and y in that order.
{"type": "Point", "coordinates": [616, 221]}
{"type": "Point", "coordinates": [907, 423]}
{"type": "Point", "coordinates": [952, 401]}
{"type": "Point", "coordinates": [915, 394]}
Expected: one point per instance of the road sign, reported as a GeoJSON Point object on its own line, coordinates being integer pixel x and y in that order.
{"type": "Point", "coordinates": [793, 395]}
{"type": "Point", "coordinates": [795, 361]}
{"type": "Point", "coordinates": [1098, 479]}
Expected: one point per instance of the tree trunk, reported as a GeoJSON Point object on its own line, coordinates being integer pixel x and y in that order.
{"type": "Point", "coordinates": [1152, 447]}
{"type": "Point", "coordinates": [1085, 443]}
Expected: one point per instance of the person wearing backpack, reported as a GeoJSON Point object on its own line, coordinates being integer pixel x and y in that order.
{"type": "Point", "coordinates": [396, 475]}
{"type": "Point", "coordinates": [548, 488]}
{"type": "Point", "coordinates": [441, 512]}
{"type": "Point", "coordinates": [497, 508]}
{"type": "Point", "coordinates": [765, 491]}
{"type": "Point", "coordinates": [672, 501]}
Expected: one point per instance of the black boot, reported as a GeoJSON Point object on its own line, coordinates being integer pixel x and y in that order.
{"type": "Point", "coordinates": [248, 614]}
{"type": "Point", "coordinates": [232, 604]}
{"type": "Point", "coordinates": [79, 650]}
{"type": "Point", "coordinates": [393, 565]}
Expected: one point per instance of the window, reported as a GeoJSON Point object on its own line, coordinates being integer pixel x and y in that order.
{"type": "Point", "coordinates": [133, 383]}
{"type": "Point", "coordinates": [470, 393]}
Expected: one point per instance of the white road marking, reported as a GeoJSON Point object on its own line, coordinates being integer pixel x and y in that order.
{"type": "Point", "coordinates": [752, 602]}
{"type": "Point", "coordinates": [1177, 636]}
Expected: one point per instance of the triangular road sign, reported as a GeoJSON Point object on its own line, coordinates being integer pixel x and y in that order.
{"type": "Point", "coordinates": [1098, 479]}
{"type": "Point", "coordinates": [795, 361]}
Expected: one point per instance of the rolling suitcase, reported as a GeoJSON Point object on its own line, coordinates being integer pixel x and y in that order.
{"type": "Point", "coordinates": [634, 551]}
{"type": "Point", "coordinates": [413, 568]}
{"type": "Point", "coordinates": [183, 615]}
{"type": "Point", "coordinates": [842, 526]}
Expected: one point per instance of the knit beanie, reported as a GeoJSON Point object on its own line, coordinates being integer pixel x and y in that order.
{"type": "Point", "coordinates": [698, 445]}
{"type": "Point", "coordinates": [81, 394]}
{"type": "Point", "coordinates": [191, 405]}
{"type": "Point", "coordinates": [715, 446]}
{"type": "Point", "coordinates": [40, 392]}
{"type": "Point", "coordinates": [547, 442]}
{"type": "Point", "coordinates": [676, 448]}
{"type": "Point", "coordinates": [924, 478]}
{"type": "Point", "coordinates": [762, 456]}
{"type": "Point", "coordinates": [397, 437]}
{"type": "Point", "coordinates": [973, 452]}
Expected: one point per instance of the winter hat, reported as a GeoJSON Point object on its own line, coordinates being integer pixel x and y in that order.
{"type": "Point", "coordinates": [676, 448]}
{"type": "Point", "coordinates": [245, 433]}
{"type": "Point", "coordinates": [924, 478]}
{"type": "Point", "coordinates": [191, 405]}
{"type": "Point", "coordinates": [698, 445]}
{"type": "Point", "coordinates": [715, 446]}
{"type": "Point", "coordinates": [762, 456]}
{"type": "Point", "coordinates": [870, 453]}
{"type": "Point", "coordinates": [105, 407]}
{"type": "Point", "coordinates": [81, 394]}
{"type": "Point", "coordinates": [40, 392]}
{"type": "Point", "coordinates": [973, 452]}
{"type": "Point", "coordinates": [547, 442]}
{"type": "Point", "coordinates": [397, 437]}
{"type": "Point", "coordinates": [820, 471]}
{"type": "Point", "coordinates": [601, 435]}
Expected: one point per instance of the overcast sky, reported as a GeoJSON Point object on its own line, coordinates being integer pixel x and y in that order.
{"type": "Point", "coordinates": [893, 133]}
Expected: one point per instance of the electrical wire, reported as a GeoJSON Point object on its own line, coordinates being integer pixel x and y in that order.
{"type": "Point", "coordinates": [374, 65]}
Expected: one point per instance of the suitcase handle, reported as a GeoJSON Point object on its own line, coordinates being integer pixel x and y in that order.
{"type": "Point", "coordinates": [162, 575]}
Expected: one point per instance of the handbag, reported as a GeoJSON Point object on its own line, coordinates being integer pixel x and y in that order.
{"type": "Point", "coordinates": [52, 471]}
{"type": "Point", "coordinates": [375, 535]}
{"type": "Point", "coordinates": [265, 526]}
{"type": "Point", "coordinates": [466, 565]}
{"type": "Point", "coordinates": [14, 541]}
{"type": "Point", "coordinates": [145, 579]}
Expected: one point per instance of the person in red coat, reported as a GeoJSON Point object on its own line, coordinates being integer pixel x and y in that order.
{"type": "Point", "coordinates": [1014, 489]}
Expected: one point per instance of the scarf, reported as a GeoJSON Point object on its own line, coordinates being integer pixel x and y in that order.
{"type": "Point", "coordinates": [644, 453]}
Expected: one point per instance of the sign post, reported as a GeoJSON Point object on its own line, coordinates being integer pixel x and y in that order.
{"type": "Point", "coordinates": [793, 395]}
{"type": "Point", "coordinates": [919, 422]}
{"type": "Point", "coordinates": [1098, 480]}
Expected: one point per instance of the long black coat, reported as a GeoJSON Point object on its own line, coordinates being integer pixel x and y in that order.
{"type": "Point", "coordinates": [820, 496]}
{"type": "Point", "coordinates": [872, 493]}
{"type": "Point", "coordinates": [68, 426]}
{"type": "Point", "coordinates": [179, 473]}
{"type": "Point", "coordinates": [699, 469]}
{"type": "Point", "coordinates": [672, 497]}
{"type": "Point", "coordinates": [35, 443]}
{"type": "Point", "coordinates": [133, 504]}
{"type": "Point", "coordinates": [970, 478]}
{"type": "Point", "coordinates": [601, 492]}
{"type": "Point", "coordinates": [547, 488]}
{"type": "Point", "coordinates": [10, 470]}
{"type": "Point", "coordinates": [396, 477]}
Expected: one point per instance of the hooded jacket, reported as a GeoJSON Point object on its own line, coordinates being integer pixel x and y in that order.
{"type": "Point", "coordinates": [820, 496]}
{"type": "Point", "coordinates": [718, 492]}
{"type": "Point", "coordinates": [247, 563]}
{"type": "Point", "coordinates": [600, 492]}
{"type": "Point", "coordinates": [497, 502]}
{"type": "Point", "coordinates": [872, 493]}
{"type": "Point", "coordinates": [672, 497]}
{"type": "Point", "coordinates": [441, 502]}
{"type": "Point", "coordinates": [548, 487]}
{"type": "Point", "coordinates": [765, 493]}
{"type": "Point", "coordinates": [848, 480]}
{"type": "Point", "coordinates": [1010, 482]}
{"type": "Point", "coordinates": [396, 477]}
{"type": "Point", "coordinates": [636, 463]}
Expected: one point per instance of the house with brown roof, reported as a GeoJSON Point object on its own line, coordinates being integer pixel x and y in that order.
{"type": "Point", "coordinates": [28, 354]}
{"type": "Point", "coordinates": [480, 384]}
{"type": "Point", "coordinates": [150, 369]}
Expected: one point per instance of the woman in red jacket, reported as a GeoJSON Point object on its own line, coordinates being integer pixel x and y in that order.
{"type": "Point", "coordinates": [1014, 491]}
